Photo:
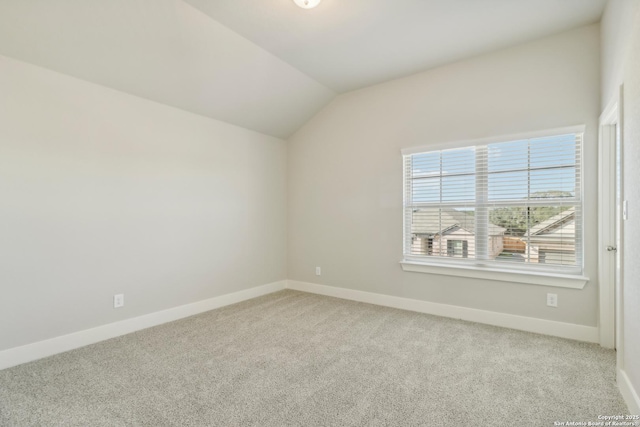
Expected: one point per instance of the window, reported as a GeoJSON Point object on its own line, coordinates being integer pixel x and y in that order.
{"type": "Point", "coordinates": [458, 248]}
{"type": "Point", "coordinates": [514, 204]}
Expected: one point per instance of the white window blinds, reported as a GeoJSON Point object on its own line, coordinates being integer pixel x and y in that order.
{"type": "Point", "coordinates": [515, 203]}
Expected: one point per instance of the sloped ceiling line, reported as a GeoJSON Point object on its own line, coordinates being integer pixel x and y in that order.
{"type": "Point", "coordinates": [267, 65]}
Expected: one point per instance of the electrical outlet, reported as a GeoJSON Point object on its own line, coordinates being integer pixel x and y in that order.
{"type": "Point", "coordinates": [552, 300]}
{"type": "Point", "coordinates": [118, 301]}
{"type": "Point", "coordinates": [318, 271]}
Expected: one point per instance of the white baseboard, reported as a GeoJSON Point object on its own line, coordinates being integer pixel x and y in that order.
{"type": "Point", "coordinates": [628, 392]}
{"type": "Point", "coordinates": [529, 324]}
{"type": "Point", "coordinates": [38, 350]}
{"type": "Point", "coordinates": [18, 355]}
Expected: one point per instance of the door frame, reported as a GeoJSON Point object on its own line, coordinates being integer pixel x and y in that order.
{"type": "Point", "coordinates": [609, 322]}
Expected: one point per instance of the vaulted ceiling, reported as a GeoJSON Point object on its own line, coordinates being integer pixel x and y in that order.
{"type": "Point", "coordinates": [349, 44]}
{"type": "Point", "coordinates": [267, 65]}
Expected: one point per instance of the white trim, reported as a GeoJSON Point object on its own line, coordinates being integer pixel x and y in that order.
{"type": "Point", "coordinates": [610, 113]}
{"type": "Point", "coordinates": [529, 277]}
{"type": "Point", "coordinates": [494, 139]}
{"type": "Point", "coordinates": [619, 286]}
{"type": "Point", "coordinates": [606, 224]}
{"type": "Point", "coordinates": [27, 353]}
{"type": "Point", "coordinates": [570, 277]}
{"type": "Point", "coordinates": [512, 321]}
{"type": "Point", "coordinates": [629, 394]}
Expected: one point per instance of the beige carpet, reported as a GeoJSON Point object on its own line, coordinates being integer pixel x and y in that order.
{"type": "Point", "coordinates": [297, 359]}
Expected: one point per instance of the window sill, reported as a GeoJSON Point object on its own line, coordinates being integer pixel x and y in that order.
{"type": "Point", "coordinates": [502, 275]}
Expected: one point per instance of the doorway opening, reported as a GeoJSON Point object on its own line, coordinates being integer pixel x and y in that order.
{"type": "Point", "coordinates": [611, 213]}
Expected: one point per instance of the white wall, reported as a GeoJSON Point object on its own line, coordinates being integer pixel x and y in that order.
{"type": "Point", "coordinates": [631, 155]}
{"type": "Point", "coordinates": [345, 169]}
{"type": "Point", "coordinates": [621, 66]}
{"type": "Point", "coordinates": [617, 27]}
{"type": "Point", "coordinates": [103, 193]}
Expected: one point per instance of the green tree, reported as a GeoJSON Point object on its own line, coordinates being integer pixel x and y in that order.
{"type": "Point", "coordinates": [518, 219]}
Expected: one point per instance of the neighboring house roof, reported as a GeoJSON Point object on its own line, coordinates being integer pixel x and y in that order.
{"type": "Point", "coordinates": [443, 221]}
{"type": "Point", "coordinates": [562, 224]}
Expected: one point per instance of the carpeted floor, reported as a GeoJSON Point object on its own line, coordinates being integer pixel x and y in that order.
{"type": "Point", "coordinates": [297, 359]}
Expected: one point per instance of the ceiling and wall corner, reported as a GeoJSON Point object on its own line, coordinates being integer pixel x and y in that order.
{"type": "Point", "coordinates": [165, 51]}
{"type": "Point", "coordinates": [615, 35]}
{"type": "Point", "coordinates": [267, 66]}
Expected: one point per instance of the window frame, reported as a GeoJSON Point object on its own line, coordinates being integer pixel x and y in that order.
{"type": "Point", "coordinates": [571, 276]}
